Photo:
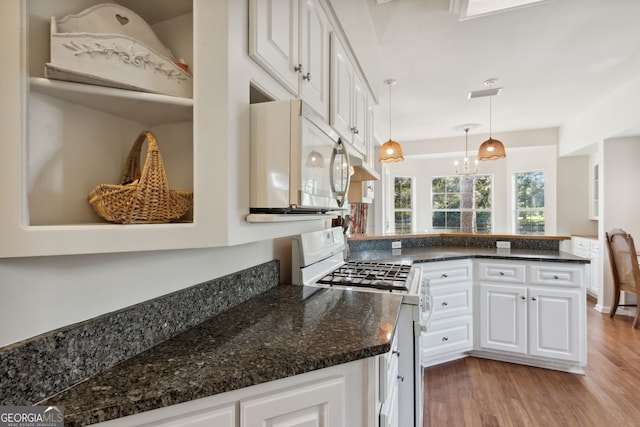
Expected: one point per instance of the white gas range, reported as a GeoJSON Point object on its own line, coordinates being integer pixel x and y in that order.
{"type": "Point", "coordinates": [318, 261]}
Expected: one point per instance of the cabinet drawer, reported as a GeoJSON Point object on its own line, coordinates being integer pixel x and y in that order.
{"type": "Point", "coordinates": [451, 300]}
{"type": "Point", "coordinates": [447, 272]}
{"type": "Point", "coordinates": [495, 272]}
{"type": "Point", "coordinates": [448, 335]}
{"type": "Point", "coordinates": [556, 275]}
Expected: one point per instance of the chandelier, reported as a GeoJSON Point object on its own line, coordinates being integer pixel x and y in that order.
{"type": "Point", "coordinates": [466, 168]}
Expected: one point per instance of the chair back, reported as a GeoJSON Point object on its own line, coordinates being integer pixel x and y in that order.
{"type": "Point", "coordinates": [623, 259]}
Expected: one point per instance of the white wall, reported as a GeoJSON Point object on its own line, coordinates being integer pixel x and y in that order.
{"type": "Point", "coordinates": [45, 293]}
{"type": "Point", "coordinates": [573, 197]}
{"type": "Point", "coordinates": [620, 204]}
{"type": "Point", "coordinates": [613, 116]}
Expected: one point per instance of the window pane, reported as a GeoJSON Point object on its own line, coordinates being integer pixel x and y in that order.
{"type": "Point", "coordinates": [483, 192]}
{"type": "Point", "coordinates": [530, 189]}
{"type": "Point", "coordinates": [453, 184]}
{"type": "Point", "coordinates": [438, 185]}
{"type": "Point", "coordinates": [403, 222]}
{"type": "Point", "coordinates": [483, 222]}
{"type": "Point", "coordinates": [402, 193]}
{"type": "Point", "coordinates": [453, 201]}
{"type": "Point", "coordinates": [438, 219]}
{"type": "Point", "coordinates": [453, 220]}
{"type": "Point", "coordinates": [439, 201]}
{"type": "Point", "coordinates": [530, 222]}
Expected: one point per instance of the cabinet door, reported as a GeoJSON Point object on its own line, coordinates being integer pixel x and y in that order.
{"type": "Point", "coordinates": [390, 412]}
{"type": "Point", "coordinates": [273, 39]}
{"type": "Point", "coordinates": [503, 317]}
{"type": "Point", "coordinates": [341, 90]}
{"type": "Point", "coordinates": [554, 330]}
{"type": "Point", "coordinates": [359, 125]}
{"type": "Point", "coordinates": [314, 57]}
{"type": "Point", "coordinates": [319, 405]}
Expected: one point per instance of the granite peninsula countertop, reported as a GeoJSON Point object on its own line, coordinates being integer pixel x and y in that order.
{"type": "Point", "coordinates": [443, 253]}
{"type": "Point", "coordinates": [285, 331]}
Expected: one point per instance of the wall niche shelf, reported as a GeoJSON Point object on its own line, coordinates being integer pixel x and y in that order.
{"type": "Point", "coordinates": [64, 138]}
{"type": "Point", "coordinates": [149, 108]}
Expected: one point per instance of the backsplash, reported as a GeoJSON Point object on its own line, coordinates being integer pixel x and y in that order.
{"type": "Point", "coordinates": [454, 241]}
{"type": "Point", "coordinates": [41, 366]}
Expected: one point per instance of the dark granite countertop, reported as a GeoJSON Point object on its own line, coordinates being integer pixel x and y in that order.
{"type": "Point", "coordinates": [285, 331]}
{"type": "Point", "coordinates": [441, 253]}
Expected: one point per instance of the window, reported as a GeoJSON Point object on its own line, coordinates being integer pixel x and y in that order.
{"type": "Point", "coordinates": [529, 202]}
{"type": "Point", "coordinates": [462, 204]}
{"type": "Point", "coordinates": [403, 204]}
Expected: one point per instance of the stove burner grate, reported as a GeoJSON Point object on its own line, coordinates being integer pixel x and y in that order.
{"type": "Point", "coordinates": [378, 275]}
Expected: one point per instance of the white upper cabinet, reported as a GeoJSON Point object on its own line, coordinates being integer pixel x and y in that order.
{"type": "Point", "coordinates": [314, 57]}
{"type": "Point", "coordinates": [360, 110]}
{"type": "Point", "coordinates": [349, 99]}
{"type": "Point", "coordinates": [290, 39]}
{"type": "Point", "coordinates": [341, 89]}
{"type": "Point", "coordinates": [274, 38]}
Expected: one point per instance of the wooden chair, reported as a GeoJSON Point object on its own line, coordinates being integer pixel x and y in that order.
{"type": "Point", "coordinates": [624, 267]}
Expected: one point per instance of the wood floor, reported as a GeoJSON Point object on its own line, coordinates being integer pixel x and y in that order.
{"type": "Point", "coordinates": [476, 392]}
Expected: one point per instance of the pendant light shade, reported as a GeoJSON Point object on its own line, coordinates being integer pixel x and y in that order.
{"type": "Point", "coordinates": [491, 149]}
{"type": "Point", "coordinates": [390, 151]}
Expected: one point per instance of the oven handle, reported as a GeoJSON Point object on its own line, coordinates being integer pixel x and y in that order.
{"type": "Point", "coordinates": [428, 302]}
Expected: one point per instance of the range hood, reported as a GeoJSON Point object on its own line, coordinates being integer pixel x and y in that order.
{"type": "Point", "coordinates": [362, 171]}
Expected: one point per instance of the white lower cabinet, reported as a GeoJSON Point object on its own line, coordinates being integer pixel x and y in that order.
{"type": "Point", "coordinates": [450, 334]}
{"type": "Point", "coordinates": [345, 395]}
{"type": "Point", "coordinates": [540, 320]}
{"type": "Point", "coordinates": [389, 376]}
{"type": "Point", "coordinates": [588, 247]}
{"type": "Point", "coordinates": [318, 405]}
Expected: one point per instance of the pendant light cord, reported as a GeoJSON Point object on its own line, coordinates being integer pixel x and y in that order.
{"type": "Point", "coordinates": [390, 111]}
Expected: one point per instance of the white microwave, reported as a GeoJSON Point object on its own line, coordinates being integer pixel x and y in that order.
{"type": "Point", "coordinates": [298, 163]}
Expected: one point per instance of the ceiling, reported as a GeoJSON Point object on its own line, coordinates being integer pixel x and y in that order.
{"type": "Point", "coordinates": [553, 59]}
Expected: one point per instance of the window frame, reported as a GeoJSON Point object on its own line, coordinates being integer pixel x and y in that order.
{"type": "Point", "coordinates": [517, 210]}
{"type": "Point", "coordinates": [475, 210]}
{"type": "Point", "coordinates": [410, 210]}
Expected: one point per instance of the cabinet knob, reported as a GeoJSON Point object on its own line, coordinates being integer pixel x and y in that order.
{"type": "Point", "coordinates": [444, 339]}
{"type": "Point", "coordinates": [556, 277]}
{"type": "Point", "coordinates": [307, 77]}
{"type": "Point", "coordinates": [502, 273]}
{"type": "Point", "coordinates": [401, 378]}
{"type": "Point", "coordinates": [298, 68]}
{"type": "Point", "coordinates": [444, 303]}
{"type": "Point", "coordinates": [522, 297]}
{"type": "Point", "coordinates": [355, 130]}
{"type": "Point", "coordinates": [396, 352]}
{"type": "Point", "coordinates": [534, 299]}
{"type": "Point", "coordinates": [444, 276]}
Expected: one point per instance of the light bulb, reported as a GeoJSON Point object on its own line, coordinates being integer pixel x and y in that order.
{"type": "Point", "coordinates": [389, 151]}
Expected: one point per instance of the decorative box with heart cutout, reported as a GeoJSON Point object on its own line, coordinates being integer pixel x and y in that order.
{"type": "Point", "coordinates": [110, 45]}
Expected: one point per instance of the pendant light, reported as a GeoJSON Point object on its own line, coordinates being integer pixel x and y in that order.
{"type": "Point", "coordinates": [466, 170]}
{"type": "Point", "coordinates": [491, 149]}
{"type": "Point", "coordinates": [390, 151]}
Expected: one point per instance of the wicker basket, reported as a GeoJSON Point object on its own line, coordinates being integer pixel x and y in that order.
{"type": "Point", "coordinates": [140, 198]}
